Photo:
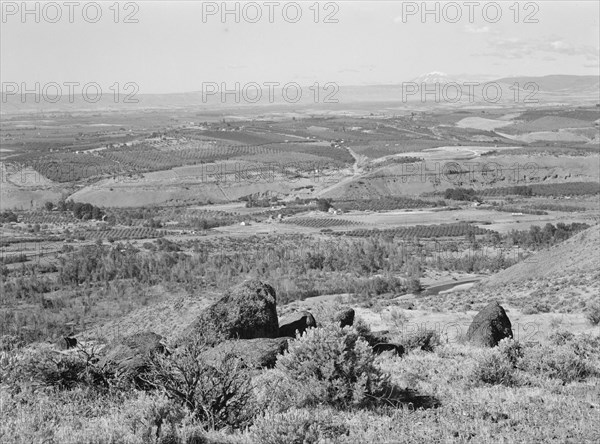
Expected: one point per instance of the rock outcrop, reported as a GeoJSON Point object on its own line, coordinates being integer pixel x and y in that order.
{"type": "Point", "coordinates": [297, 322]}
{"type": "Point", "coordinates": [489, 326]}
{"type": "Point", "coordinates": [345, 317]}
{"type": "Point", "coordinates": [129, 357]}
{"type": "Point", "coordinates": [246, 311]}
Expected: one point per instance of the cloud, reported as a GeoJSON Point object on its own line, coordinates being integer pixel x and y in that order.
{"type": "Point", "coordinates": [517, 48]}
{"type": "Point", "coordinates": [473, 30]}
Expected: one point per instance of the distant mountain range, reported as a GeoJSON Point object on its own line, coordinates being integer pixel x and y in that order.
{"type": "Point", "coordinates": [559, 83]}
{"type": "Point", "coordinates": [552, 89]}
{"type": "Point", "coordinates": [551, 83]}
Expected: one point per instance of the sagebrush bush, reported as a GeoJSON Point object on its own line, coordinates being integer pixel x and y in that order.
{"type": "Point", "coordinates": [560, 337]}
{"type": "Point", "coordinates": [511, 350]}
{"type": "Point", "coordinates": [42, 366]}
{"type": "Point", "coordinates": [10, 342]}
{"type": "Point", "coordinates": [493, 367]}
{"type": "Point", "coordinates": [556, 362]}
{"type": "Point", "coordinates": [593, 314]}
{"type": "Point", "coordinates": [218, 394]}
{"type": "Point", "coordinates": [153, 416]}
{"type": "Point", "coordinates": [327, 365]}
{"type": "Point", "coordinates": [396, 317]}
{"type": "Point", "coordinates": [587, 346]}
{"type": "Point", "coordinates": [421, 339]}
{"type": "Point", "coordinates": [361, 327]}
{"type": "Point", "coordinates": [298, 426]}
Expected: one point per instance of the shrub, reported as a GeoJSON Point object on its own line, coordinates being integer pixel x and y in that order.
{"type": "Point", "coordinates": [364, 331]}
{"type": "Point", "coordinates": [493, 367]}
{"type": "Point", "coordinates": [536, 307]}
{"type": "Point", "coordinates": [556, 362]}
{"type": "Point", "coordinates": [511, 350]}
{"type": "Point", "coordinates": [327, 365]}
{"type": "Point", "coordinates": [297, 426]}
{"type": "Point", "coordinates": [323, 204]}
{"type": "Point", "coordinates": [397, 317]}
{"type": "Point", "coordinates": [561, 337]}
{"type": "Point", "coordinates": [593, 314]}
{"type": "Point", "coordinates": [413, 284]}
{"type": "Point", "coordinates": [422, 339]}
{"type": "Point", "coordinates": [219, 395]}
{"type": "Point", "coordinates": [10, 342]}
{"type": "Point", "coordinates": [466, 194]}
{"type": "Point", "coordinates": [153, 415]}
{"type": "Point", "coordinates": [587, 346]}
{"type": "Point", "coordinates": [43, 366]}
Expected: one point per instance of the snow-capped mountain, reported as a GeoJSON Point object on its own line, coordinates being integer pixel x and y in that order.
{"type": "Point", "coordinates": [436, 77]}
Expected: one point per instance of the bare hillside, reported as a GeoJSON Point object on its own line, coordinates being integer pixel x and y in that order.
{"type": "Point", "coordinates": [580, 254]}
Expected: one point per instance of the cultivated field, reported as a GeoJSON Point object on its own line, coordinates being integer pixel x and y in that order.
{"type": "Point", "coordinates": [127, 225]}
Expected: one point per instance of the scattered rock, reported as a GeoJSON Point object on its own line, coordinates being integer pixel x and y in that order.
{"type": "Point", "coordinates": [345, 317]}
{"type": "Point", "coordinates": [256, 353]}
{"type": "Point", "coordinates": [490, 326]}
{"type": "Point", "coordinates": [386, 346]}
{"type": "Point", "coordinates": [296, 322]}
{"type": "Point", "coordinates": [246, 311]}
{"type": "Point", "coordinates": [129, 357]}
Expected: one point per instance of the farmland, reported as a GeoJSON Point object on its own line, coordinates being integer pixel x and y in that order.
{"type": "Point", "coordinates": [424, 231]}
{"type": "Point", "coordinates": [383, 204]}
{"type": "Point", "coordinates": [138, 225]}
{"type": "Point", "coordinates": [557, 189]}
{"type": "Point", "coordinates": [319, 222]}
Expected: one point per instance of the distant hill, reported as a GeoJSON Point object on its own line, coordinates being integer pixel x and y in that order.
{"type": "Point", "coordinates": [554, 89]}
{"type": "Point", "coordinates": [579, 255]}
{"type": "Point", "coordinates": [559, 83]}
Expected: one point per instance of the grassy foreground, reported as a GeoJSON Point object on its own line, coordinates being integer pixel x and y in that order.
{"type": "Point", "coordinates": [328, 388]}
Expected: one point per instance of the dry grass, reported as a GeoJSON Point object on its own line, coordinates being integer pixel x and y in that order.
{"type": "Point", "coordinates": [445, 400]}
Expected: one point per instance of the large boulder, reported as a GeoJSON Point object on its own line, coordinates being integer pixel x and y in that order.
{"type": "Point", "coordinates": [296, 322]}
{"type": "Point", "coordinates": [255, 353]}
{"type": "Point", "coordinates": [246, 311]}
{"type": "Point", "coordinates": [129, 357]}
{"type": "Point", "coordinates": [489, 326]}
{"type": "Point", "coordinates": [345, 317]}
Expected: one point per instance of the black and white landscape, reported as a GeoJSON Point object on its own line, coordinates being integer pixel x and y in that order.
{"type": "Point", "coordinates": [299, 222]}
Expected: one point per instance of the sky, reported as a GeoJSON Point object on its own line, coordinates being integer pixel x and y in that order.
{"type": "Point", "coordinates": [178, 46]}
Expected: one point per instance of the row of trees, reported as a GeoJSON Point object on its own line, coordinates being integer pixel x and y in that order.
{"type": "Point", "coordinates": [8, 216]}
{"type": "Point", "coordinates": [83, 211]}
{"type": "Point", "coordinates": [546, 236]}
{"type": "Point", "coordinates": [465, 194]}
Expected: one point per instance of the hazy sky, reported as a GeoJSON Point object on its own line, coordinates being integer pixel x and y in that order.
{"type": "Point", "coordinates": [173, 48]}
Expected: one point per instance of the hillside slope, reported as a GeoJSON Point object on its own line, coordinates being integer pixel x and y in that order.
{"type": "Point", "coordinates": [579, 254]}
{"type": "Point", "coordinates": [564, 279]}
